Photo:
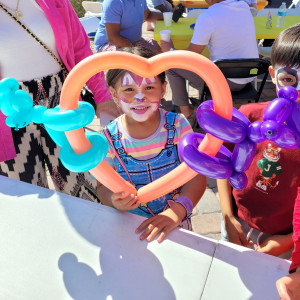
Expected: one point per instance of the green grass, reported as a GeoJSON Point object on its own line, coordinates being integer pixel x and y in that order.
{"type": "Point", "coordinates": [78, 7]}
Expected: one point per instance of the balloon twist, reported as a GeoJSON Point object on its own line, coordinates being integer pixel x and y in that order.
{"type": "Point", "coordinates": [18, 106]}
{"type": "Point", "coordinates": [281, 125]}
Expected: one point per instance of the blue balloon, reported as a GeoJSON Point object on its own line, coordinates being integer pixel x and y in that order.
{"type": "Point", "coordinates": [87, 160]}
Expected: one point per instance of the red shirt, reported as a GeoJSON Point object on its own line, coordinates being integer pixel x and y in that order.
{"type": "Point", "coordinates": [267, 203]}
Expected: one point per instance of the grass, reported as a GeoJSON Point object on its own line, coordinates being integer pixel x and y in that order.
{"type": "Point", "coordinates": [78, 7]}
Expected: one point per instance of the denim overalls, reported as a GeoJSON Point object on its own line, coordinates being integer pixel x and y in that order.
{"type": "Point", "coordinates": [143, 172]}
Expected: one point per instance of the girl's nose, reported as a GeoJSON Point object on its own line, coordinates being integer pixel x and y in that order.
{"type": "Point", "coordinates": [140, 97]}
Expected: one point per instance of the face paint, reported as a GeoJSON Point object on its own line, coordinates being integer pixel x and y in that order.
{"type": "Point", "coordinates": [129, 79]}
{"type": "Point", "coordinates": [142, 104]}
{"type": "Point", "coordinates": [288, 76]}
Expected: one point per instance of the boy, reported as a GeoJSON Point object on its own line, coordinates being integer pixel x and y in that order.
{"type": "Point", "coordinates": [261, 214]}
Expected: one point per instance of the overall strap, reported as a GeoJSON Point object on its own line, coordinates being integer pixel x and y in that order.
{"type": "Point", "coordinates": [170, 121]}
{"type": "Point", "coordinates": [115, 136]}
{"type": "Point", "coordinates": [112, 142]}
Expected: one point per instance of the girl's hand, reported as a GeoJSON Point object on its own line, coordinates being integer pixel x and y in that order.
{"type": "Point", "coordinates": [124, 202]}
{"type": "Point", "coordinates": [289, 286]}
{"type": "Point", "coordinates": [275, 245]}
{"type": "Point", "coordinates": [235, 232]}
{"type": "Point", "coordinates": [162, 223]}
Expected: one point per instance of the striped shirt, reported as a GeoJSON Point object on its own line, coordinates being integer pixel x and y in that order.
{"type": "Point", "coordinates": [144, 149]}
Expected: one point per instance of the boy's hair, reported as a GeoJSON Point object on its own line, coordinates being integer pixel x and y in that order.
{"type": "Point", "coordinates": [286, 48]}
{"type": "Point", "coordinates": [113, 75]}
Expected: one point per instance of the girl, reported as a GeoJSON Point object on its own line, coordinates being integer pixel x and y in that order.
{"type": "Point", "coordinates": [143, 147]}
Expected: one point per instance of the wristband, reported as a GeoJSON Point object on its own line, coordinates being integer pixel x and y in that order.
{"type": "Point", "coordinates": [187, 203]}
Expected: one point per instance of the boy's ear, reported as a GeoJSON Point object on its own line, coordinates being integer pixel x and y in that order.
{"type": "Point", "coordinates": [272, 74]}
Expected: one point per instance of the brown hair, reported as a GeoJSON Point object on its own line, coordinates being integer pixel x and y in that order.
{"type": "Point", "coordinates": [113, 75]}
{"type": "Point", "coordinates": [286, 48]}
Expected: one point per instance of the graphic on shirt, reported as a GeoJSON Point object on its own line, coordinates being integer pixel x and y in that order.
{"type": "Point", "coordinates": [269, 168]}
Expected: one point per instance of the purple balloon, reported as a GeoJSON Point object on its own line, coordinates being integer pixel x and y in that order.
{"type": "Point", "coordinates": [238, 180]}
{"type": "Point", "coordinates": [271, 130]}
{"type": "Point", "coordinates": [205, 164]}
{"type": "Point", "coordinates": [288, 92]}
{"type": "Point", "coordinates": [214, 167]}
{"type": "Point", "coordinates": [293, 121]}
{"type": "Point", "coordinates": [278, 110]}
{"type": "Point", "coordinates": [288, 138]}
{"type": "Point", "coordinates": [243, 155]}
{"type": "Point", "coordinates": [226, 130]}
{"type": "Point", "coordinates": [254, 133]}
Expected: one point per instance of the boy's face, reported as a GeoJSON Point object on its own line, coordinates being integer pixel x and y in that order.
{"type": "Point", "coordinates": [284, 75]}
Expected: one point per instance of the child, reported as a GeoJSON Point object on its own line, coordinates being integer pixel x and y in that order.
{"type": "Point", "coordinates": [143, 147]}
{"type": "Point", "coordinates": [261, 214]}
{"type": "Point", "coordinates": [289, 286]}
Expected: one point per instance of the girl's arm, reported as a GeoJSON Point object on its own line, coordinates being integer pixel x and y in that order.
{"type": "Point", "coordinates": [169, 219]}
{"type": "Point", "coordinates": [233, 227]}
{"type": "Point", "coordinates": [120, 201]}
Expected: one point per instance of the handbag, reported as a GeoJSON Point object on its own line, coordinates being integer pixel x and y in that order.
{"type": "Point", "coordinates": [86, 94]}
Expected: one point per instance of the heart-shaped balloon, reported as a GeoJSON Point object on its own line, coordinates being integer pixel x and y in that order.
{"type": "Point", "coordinates": [188, 60]}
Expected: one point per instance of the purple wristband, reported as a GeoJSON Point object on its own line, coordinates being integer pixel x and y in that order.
{"type": "Point", "coordinates": [187, 204]}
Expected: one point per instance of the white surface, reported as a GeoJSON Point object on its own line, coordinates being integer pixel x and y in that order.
{"type": "Point", "coordinates": [92, 8]}
{"type": "Point", "coordinates": [168, 18]}
{"type": "Point", "coordinates": [241, 273]}
{"type": "Point", "coordinates": [90, 24]}
{"type": "Point", "coordinates": [54, 246]}
{"type": "Point", "coordinates": [274, 11]}
{"type": "Point", "coordinates": [194, 13]}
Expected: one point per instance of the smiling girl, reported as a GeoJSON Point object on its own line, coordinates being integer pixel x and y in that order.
{"type": "Point", "coordinates": [143, 147]}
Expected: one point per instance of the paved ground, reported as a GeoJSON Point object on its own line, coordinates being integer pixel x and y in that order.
{"type": "Point", "coordinates": [206, 217]}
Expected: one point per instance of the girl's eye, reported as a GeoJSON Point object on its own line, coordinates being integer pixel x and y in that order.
{"type": "Point", "coordinates": [149, 88]}
{"type": "Point", "coordinates": [128, 89]}
{"type": "Point", "coordinates": [287, 80]}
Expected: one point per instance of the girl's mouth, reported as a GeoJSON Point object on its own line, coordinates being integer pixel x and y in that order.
{"type": "Point", "coordinates": [139, 109]}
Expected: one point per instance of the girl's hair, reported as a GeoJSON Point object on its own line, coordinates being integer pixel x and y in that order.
{"type": "Point", "coordinates": [286, 48]}
{"type": "Point", "coordinates": [113, 75]}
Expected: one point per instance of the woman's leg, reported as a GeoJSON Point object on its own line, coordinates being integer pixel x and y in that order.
{"type": "Point", "coordinates": [177, 80]}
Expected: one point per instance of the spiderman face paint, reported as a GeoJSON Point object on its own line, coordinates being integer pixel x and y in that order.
{"type": "Point", "coordinates": [139, 97]}
{"type": "Point", "coordinates": [288, 76]}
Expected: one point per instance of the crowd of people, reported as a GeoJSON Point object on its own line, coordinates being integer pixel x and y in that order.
{"type": "Point", "coordinates": [143, 137]}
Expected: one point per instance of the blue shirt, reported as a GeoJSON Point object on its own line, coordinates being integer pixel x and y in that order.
{"type": "Point", "coordinates": [128, 13]}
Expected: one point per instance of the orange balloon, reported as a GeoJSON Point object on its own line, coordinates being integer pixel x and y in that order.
{"type": "Point", "coordinates": [182, 59]}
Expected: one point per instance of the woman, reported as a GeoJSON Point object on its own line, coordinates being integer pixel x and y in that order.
{"type": "Point", "coordinates": [39, 69]}
{"type": "Point", "coordinates": [121, 25]}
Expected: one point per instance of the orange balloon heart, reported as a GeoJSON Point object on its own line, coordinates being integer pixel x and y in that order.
{"type": "Point", "coordinates": [188, 60]}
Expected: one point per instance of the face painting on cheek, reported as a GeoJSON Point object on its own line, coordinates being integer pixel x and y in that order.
{"type": "Point", "coordinates": [138, 108]}
{"type": "Point", "coordinates": [288, 76]}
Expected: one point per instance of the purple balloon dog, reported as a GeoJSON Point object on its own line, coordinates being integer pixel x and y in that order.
{"type": "Point", "coordinates": [281, 125]}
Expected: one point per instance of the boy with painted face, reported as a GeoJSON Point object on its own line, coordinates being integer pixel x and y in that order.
{"type": "Point", "coordinates": [143, 147]}
{"type": "Point", "coordinates": [261, 215]}
{"type": "Point", "coordinates": [285, 70]}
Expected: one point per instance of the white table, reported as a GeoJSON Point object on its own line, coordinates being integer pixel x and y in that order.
{"type": "Point", "coordinates": [54, 246]}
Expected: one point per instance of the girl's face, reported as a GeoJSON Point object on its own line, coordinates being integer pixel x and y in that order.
{"type": "Point", "coordinates": [284, 75]}
{"type": "Point", "coordinates": [138, 97]}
